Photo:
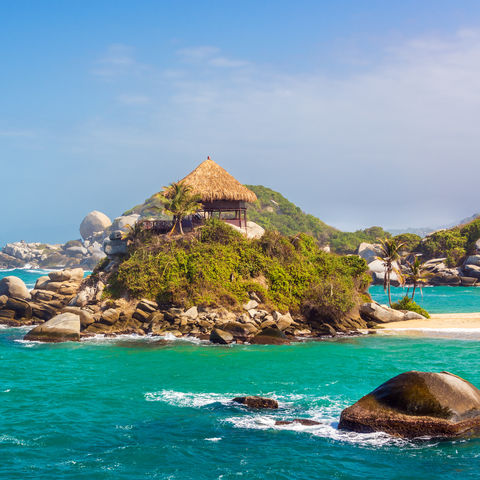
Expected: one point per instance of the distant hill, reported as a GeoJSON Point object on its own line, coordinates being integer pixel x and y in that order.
{"type": "Point", "coordinates": [151, 207]}
{"type": "Point", "coordinates": [274, 212]}
{"type": "Point", "coordinates": [424, 231]}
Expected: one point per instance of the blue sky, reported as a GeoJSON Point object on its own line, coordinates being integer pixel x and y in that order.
{"type": "Point", "coordinates": [362, 112]}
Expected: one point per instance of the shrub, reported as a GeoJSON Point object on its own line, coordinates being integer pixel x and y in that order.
{"type": "Point", "coordinates": [411, 241]}
{"type": "Point", "coordinates": [406, 303]}
{"type": "Point", "coordinates": [218, 266]}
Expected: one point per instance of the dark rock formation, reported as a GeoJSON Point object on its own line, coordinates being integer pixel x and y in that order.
{"type": "Point", "coordinates": [270, 336]}
{"type": "Point", "coordinates": [221, 337]}
{"type": "Point", "coordinates": [415, 404]}
{"type": "Point", "coordinates": [257, 402]}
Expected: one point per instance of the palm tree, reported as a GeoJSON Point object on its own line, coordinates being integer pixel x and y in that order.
{"type": "Point", "coordinates": [179, 201]}
{"type": "Point", "coordinates": [416, 273]}
{"type": "Point", "coordinates": [134, 232]}
{"type": "Point", "coordinates": [389, 255]}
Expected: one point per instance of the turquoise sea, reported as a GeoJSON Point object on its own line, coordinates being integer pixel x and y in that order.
{"type": "Point", "coordinates": [132, 408]}
{"type": "Point", "coordinates": [435, 299]}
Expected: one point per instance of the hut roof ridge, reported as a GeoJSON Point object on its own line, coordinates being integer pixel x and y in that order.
{"type": "Point", "coordinates": [212, 182]}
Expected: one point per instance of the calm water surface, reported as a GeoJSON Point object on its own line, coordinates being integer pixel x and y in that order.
{"type": "Point", "coordinates": [436, 299]}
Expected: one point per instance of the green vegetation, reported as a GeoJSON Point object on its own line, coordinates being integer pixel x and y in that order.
{"type": "Point", "coordinates": [390, 255]}
{"type": "Point", "coordinates": [454, 243]}
{"type": "Point", "coordinates": [416, 273]}
{"type": "Point", "coordinates": [273, 211]}
{"type": "Point", "coordinates": [406, 303]}
{"type": "Point", "coordinates": [179, 201]}
{"type": "Point", "coordinates": [411, 241]}
{"type": "Point", "coordinates": [217, 266]}
{"type": "Point", "coordinates": [345, 243]}
{"type": "Point", "coordinates": [72, 243]}
{"type": "Point", "coordinates": [151, 207]}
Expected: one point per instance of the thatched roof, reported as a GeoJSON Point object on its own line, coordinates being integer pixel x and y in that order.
{"type": "Point", "coordinates": [212, 182]}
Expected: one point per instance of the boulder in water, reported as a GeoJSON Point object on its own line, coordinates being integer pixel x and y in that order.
{"type": "Point", "coordinates": [415, 404]}
{"type": "Point", "coordinates": [379, 314]}
{"type": "Point", "coordinates": [257, 402]}
{"type": "Point", "coordinates": [221, 337]}
{"type": "Point", "coordinates": [61, 328]}
{"type": "Point", "coordinates": [14, 287]}
{"type": "Point", "coordinates": [270, 336]}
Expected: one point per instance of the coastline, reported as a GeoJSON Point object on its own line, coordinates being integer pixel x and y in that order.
{"type": "Point", "coordinates": [446, 323]}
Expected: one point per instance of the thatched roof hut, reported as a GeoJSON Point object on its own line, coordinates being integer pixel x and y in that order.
{"type": "Point", "coordinates": [213, 183]}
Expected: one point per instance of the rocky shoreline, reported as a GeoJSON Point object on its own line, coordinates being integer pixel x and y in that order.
{"type": "Point", "coordinates": [84, 252]}
{"type": "Point", "coordinates": [63, 301]}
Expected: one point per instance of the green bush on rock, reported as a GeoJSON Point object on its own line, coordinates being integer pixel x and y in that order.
{"type": "Point", "coordinates": [406, 303]}
{"type": "Point", "coordinates": [218, 266]}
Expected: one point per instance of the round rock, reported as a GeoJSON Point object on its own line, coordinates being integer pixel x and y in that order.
{"type": "Point", "coordinates": [14, 287]}
{"type": "Point", "coordinates": [94, 222]}
{"type": "Point", "coordinates": [415, 404]}
{"type": "Point", "coordinates": [61, 328]}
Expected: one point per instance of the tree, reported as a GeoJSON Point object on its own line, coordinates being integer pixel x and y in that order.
{"type": "Point", "coordinates": [416, 273]}
{"type": "Point", "coordinates": [390, 254]}
{"type": "Point", "coordinates": [134, 232]}
{"type": "Point", "coordinates": [179, 201]}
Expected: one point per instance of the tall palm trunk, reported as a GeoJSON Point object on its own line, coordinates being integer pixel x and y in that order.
{"type": "Point", "coordinates": [175, 220]}
{"type": "Point", "coordinates": [180, 225]}
{"type": "Point", "coordinates": [414, 288]}
{"type": "Point", "coordinates": [388, 287]}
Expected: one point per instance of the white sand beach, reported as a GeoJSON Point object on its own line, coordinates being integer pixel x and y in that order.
{"type": "Point", "coordinates": [438, 325]}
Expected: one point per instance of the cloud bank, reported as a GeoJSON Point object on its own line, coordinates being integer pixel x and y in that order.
{"type": "Point", "coordinates": [396, 144]}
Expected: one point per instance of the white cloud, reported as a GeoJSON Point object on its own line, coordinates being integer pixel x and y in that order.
{"type": "Point", "coordinates": [117, 60]}
{"type": "Point", "coordinates": [210, 56]}
{"type": "Point", "coordinates": [198, 53]}
{"type": "Point", "coordinates": [394, 144]}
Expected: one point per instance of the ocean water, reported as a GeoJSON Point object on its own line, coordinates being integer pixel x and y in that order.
{"type": "Point", "coordinates": [136, 409]}
{"type": "Point", "coordinates": [29, 276]}
{"type": "Point", "coordinates": [435, 299]}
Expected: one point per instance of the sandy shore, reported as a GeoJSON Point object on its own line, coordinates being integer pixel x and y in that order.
{"type": "Point", "coordinates": [440, 324]}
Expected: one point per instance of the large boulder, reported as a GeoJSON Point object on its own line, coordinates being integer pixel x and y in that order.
{"type": "Point", "coordinates": [252, 230]}
{"type": "Point", "coordinates": [468, 281]}
{"type": "Point", "coordinates": [270, 336]}
{"type": "Point", "coordinates": [377, 269]}
{"type": "Point", "coordinates": [374, 312]}
{"type": "Point", "coordinates": [95, 222]}
{"type": "Point", "coordinates": [477, 246]}
{"type": "Point", "coordinates": [221, 337]}
{"type": "Point", "coordinates": [369, 251]}
{"type": "Point", "coordinates": [416, 404]}
{"type": "Point", "coordinates": [445, 278]}
{"type": "Point", "coordinates": [61, 328]}
{"type": "Point", "coordinates": [14, 287]}
{"type": "Point", "coordinates": [473, 260]}
{"type": "Point", "coordinates": [472, 271]}
{"type": "Point", "coordinates": [123, 222]}
{"type": "Point", "coordinates": [72, 274]}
